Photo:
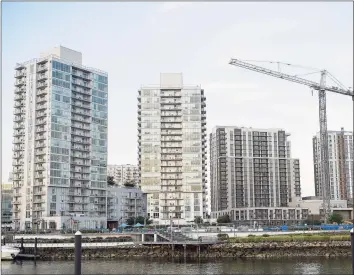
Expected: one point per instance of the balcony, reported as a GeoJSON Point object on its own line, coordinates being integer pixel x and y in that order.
{"type": "Point", "coordinates": [19, 104]}
{"type": "Point", "coordinates": [41, 107]}
{"type": "Point", "coordinates": [19, 126]}
{"type": "Point", "coordinates": [83, 75]}
{"type": "Point", "coordinates": [19, 111]}
{"type": "Point", "coordinates": [17, 163]}
{"type": "Point", "coordinates": [84, 84]}
{"type": "Point", "coordinates": [39, 160]}
{"type": "Point", "coordinates": [42, 77]}
{"type": "Point", "coordinates": [19, 133]}
{"type": "Point", "coordinates": [20, 82]}
{"type": "Point", "coordinates": [19, 74]}
{"type": "Point", "coordinates": [42, 92]}
{"type": "Point", "coordinates": [85, 91]}
{"type": "Point", "coordinates": [41, 122]}
{"type": "Point", "coordinates": [18, 156]}
{"type": "Point", "coordinates": [81, 112]}
{"type": "Point", "coordinates": [42, 68]}
{"type": "Point", "coordinates": [40, 137]}
{"type": "Point", "coordinates": [40, 152]}
{"type": "Point", "coordinates": [42, 85]}
{"type": "Point", "coordinates": [41, 114]}
{"type": "Point", "coordinates": [81, 105]}
{"type": "Point", "coordinates": [19, 97]}
{"type": "Point", "coordinates": [41, 129]}
{"type": "Point", "coordinates": [40, 144]}
{"type": "Point", "coordinates": [82, 98]}
{"type": "Point", "coordinates": [18, 141]}
{"type": "Point", "coordinates": [41, 99]}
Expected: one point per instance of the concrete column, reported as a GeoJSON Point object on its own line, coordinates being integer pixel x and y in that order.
{"type": "Point", "coordinates": [155, 238]}
{"type": "Point", "coordinates": [143, 237]}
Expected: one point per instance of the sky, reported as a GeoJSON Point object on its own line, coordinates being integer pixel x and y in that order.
{"type": "Point", "coordinates": [135, 42]}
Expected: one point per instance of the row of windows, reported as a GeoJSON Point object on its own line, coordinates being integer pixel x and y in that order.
{"type": "Point", "coordinates": [100, 78]}
{"type": "Point", "coordinates": [99, 107]}
{"type": "Point", "coordinates": [60, 128]}
{"type": "Point", "coordinates": [57, 150]}
{"type": "Point", "coordinates": [65, 99]}
{"type": "Point", "coordinates": [59, 166]}
{"type": "Point", "coordinates": [99, 121]}
{"type": "Point", "coordinates": [60, 75]}
{"type": "Point", "coordinates": [99, 100]}
{"type": "Point", "coordinates": [59, 158]}
{"type": "Point", "coordinates": [60, 83]}
{"type": "Point", "coordinates": [99, 93]}
{"type": "Point", "coordinates": [61, 67]}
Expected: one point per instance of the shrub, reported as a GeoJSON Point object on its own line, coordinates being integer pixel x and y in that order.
{"type": "Point", "coordinates": [265, 235]}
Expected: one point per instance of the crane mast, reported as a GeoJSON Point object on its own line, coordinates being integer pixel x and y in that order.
{"type": "Point", "coordinates": [321, 88]}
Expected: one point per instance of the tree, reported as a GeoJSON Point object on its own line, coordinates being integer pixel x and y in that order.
{"type": "Point", "coordinates": [198, 220]}
{"type": "Point", "coordinates": [110, 180]}
{"type": "Point", "coordinates": [129, 183]}
{"type": "Point", "coordinates": [139, 219]}
{"type": "Point", "coordinates": [224, 219]}
{"type": "Point", "coordinates": [336, 218]}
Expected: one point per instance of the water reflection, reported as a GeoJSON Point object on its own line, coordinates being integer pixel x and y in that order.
{"type": "Point", "coordinates": [225, 266]}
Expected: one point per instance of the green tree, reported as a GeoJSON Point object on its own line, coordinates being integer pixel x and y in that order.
{"type": "Point", "coordinates": [336, 218]}
{"type": "Point", "coordinates": [110, 180]}
{"type": "Point", "coordinates": [198, 220]}
{"type": "Point", "coordinates": [224, 219]}
{"type": "Point", "coordinates": [129, 183]}
{"type": "Point", "coordinates": [139, 219]}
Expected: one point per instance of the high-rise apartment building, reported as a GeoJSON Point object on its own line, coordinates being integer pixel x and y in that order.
{"type": "Point", "coordinates": [253, 176]}
{"type": "Point", "coordinates": [172, 149]}
{"type": "Point", "coordinates": [340, 148]}
{"type": "Point", "coordinates": [126, 173]}
{"type": "Point", "coordinates": [60, 142]}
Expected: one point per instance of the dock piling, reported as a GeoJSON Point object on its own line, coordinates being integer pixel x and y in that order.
{"type": "Point", "coordinates": [78, 252]}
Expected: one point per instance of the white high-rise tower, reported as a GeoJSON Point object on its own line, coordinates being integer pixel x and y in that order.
{"type": "Point", "coordinates": [60, 143]}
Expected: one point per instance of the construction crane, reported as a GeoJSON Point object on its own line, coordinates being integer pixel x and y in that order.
{"type": "Point", "coordinates": [321, 88]}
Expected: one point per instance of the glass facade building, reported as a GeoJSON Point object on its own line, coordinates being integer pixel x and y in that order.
{"type": "Point", "coordinates": [172, 150]}
{"type": "Point", "coordinates": [60, 143]}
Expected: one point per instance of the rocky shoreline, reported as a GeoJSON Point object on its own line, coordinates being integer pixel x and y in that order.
{"type": "Point", "coordinates": [223, 250]}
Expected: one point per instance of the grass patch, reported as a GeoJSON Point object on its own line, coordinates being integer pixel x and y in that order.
{"type": "Point", "coordinates": [291, 238]}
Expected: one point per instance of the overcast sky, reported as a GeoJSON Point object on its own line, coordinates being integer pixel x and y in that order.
{"type": "Point", "coordinates": [134, 42]}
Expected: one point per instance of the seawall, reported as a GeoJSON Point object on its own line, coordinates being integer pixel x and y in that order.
{"type": "Point", "coordinates": [223, 250]}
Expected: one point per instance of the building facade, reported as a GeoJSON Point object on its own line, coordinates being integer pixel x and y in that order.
{"type": "Point", "coordinates": [340, 148]}
{"type": "Point", "coordinates": [252, 174]}
{"type": "Point", "coordinates": [6, 204]}
{"type": "Point", "coordinates": [126, 173]}
{"type": "Point", "coordinates": [60, 142]}
{"type": "Point", "coordinates": [125, 203]}
{"type": "Point", "coordinates": [172, 149]}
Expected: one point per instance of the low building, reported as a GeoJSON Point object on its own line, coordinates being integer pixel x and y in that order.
{"type": "Point", "coordinates": [264, 216]}
{"type": "Point", "coordinates": [6, 205]}
{"type": "Point", "coordinates": [125, 203]}
{"type": "Point", "coordinates": [126, 173]}
{"type": "Point", "coordinates": [315, 206]}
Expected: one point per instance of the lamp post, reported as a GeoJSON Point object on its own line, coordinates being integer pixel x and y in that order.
{"type": "Point", "coordinates": [352, 242]}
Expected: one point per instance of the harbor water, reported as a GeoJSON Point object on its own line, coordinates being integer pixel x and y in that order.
{"type": "Point", "coordinates": [224, 266]}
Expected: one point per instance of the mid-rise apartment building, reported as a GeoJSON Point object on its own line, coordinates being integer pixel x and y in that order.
{"type": "Point", "coordinates": [340, 153]}
{"type": "Point", "coordinates": [253, 176]}
{"type": "Point", "coordinates": [172, 149]}
{"type": "Point", "coordinates": [60, 142]}
{"type": "Point", "coordinates": [126, 173]}
{"type": "Point", "coordinates": [6, 204]}
{"type": "Point", "coordinates": [125, 203]}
